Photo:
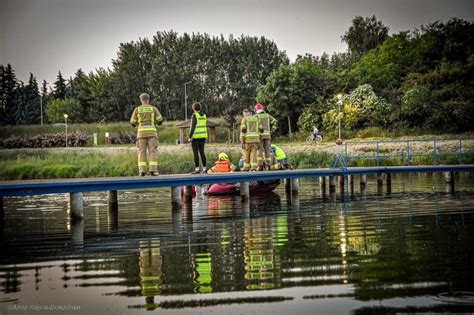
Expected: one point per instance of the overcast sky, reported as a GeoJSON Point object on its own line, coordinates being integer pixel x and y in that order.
{"type": "Point", "coordinates": [44, 36]}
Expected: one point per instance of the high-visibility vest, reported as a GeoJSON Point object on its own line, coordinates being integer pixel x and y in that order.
{"type": "Point", "coordinates": [264, 120]}
{"type": "Point", "coordinates": [200, 131]}
{"type": "Point", "coordinates": [251, 127]}
{"type": "Point", "coordinates": [279, 154]}
{"type": "Point", "coordinates": [221, 167]}
{"type": "Point", "coordinates": [146, 118]}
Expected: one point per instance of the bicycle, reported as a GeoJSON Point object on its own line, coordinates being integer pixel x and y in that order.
{"type": "Point", "coordinates": [314, 137]}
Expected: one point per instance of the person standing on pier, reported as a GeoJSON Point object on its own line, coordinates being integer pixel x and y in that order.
{"type": "Point", "coordinates": [147, 117]}
{"type": "Point", "coordinates": [267, 124]}
{"type": "Point", "coordinates": [250, 138]}
{"type": "Point", "coordinates": [197, 137]}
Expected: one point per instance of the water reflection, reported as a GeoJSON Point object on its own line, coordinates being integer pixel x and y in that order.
{"type": "Point", "coordinates": [287, 250]}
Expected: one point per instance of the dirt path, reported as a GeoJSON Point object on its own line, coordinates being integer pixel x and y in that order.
{"type": "Point", "coordinates": [398, 146]}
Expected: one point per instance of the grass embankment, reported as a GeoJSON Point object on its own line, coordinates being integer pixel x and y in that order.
{"type": "Point", "coordinates": [42, 164]}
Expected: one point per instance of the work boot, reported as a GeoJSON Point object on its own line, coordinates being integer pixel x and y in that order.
{"type": "Point", "coordinates": [260, 168]}
{"type": "Point", "coordinates": [154, 173]}
{"type": "Point", "coordinates": [142, 173]}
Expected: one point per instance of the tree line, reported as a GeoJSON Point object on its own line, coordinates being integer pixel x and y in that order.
{"type": "Point", "coordinates": [421, 79]}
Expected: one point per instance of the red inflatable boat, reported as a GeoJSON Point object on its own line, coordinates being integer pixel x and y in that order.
{"type": "Point", "coordinates": [261, 186]}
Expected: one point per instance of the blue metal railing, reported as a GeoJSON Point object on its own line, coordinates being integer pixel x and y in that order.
{"type": "Point", "coordinates": [406, 150]}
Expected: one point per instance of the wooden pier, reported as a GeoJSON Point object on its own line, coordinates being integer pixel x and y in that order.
{"type": "Point", "coordinates": [336, 177]}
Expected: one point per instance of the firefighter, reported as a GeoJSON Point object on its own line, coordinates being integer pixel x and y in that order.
{"type": "Point", "coordinates": [279, 160]}
{"type": "Point", "coordinates": [250, 139]}
{"type": "Point", "coordinates": [222, 165]}
{"type": "Point", "coordinates": [268, 125]}
{"type": "Point", "coordinates": [146, 117]}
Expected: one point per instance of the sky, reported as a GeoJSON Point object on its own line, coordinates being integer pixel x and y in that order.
{"type": "Point", "coordinates": [45, 36]}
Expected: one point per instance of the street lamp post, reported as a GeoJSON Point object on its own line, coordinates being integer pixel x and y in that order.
{"type": "Point", "coordinates": [186, 101]}
{"type": "Point", "coordinates": [339, 102]}
{"type": "Point", "coordinates": [65, 121]}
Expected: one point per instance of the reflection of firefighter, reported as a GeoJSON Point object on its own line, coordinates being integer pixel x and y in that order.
{"type": "Point", "coordinates": [203, 273]}
{"type": "Point", "coordinates": [267, 125]}
{"type": "Point", "coordinates": [250, 138]}
{"type": "Point", "coordinates": [222, 165]}
{"type": "Point", "coordinates": [259, 256]}
{"type": "Point", "coordinates": [150, 274]}
{"type": "Point", "coordinates": [279, 160]}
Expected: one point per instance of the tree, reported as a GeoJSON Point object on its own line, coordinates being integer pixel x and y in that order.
{"type": "Point", "coordinates": [7, 94]}
{"type": "Point", "coordinates": [364, 34]}
{"type": "Point", "coordinates": [60, 87]}
{"type": "Point", "coordinates": [32, 102]}
{"type": "Point", "coordinates": [58, 107]}
{"type": "Point", "coordinates": [292, 87]}
{"type": "Point", "coordinates": [361, 108]}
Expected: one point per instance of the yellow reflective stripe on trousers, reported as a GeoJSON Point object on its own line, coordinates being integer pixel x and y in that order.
{"type": "Point", "coordinates": [153, 163]}
{"type": "Point", "coordinates": [141, 163]}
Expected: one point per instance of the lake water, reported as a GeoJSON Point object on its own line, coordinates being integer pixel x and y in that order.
{"type": "Point", "coordinates": [410, 251]}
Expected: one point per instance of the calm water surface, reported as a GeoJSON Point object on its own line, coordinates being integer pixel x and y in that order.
{"type": "Point", "coordinates": [410, 251]}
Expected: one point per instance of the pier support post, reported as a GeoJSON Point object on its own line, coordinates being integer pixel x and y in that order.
{"type": "Point", "coordinates": [287, 183]}
{"type": "Point", "coordinates": [379, 183]}
{"type": "Point", "coordinates": [340, 182]}
{"type": "Point", "coordinates": [244, 190]}
{"type": "Point", "coordinates": [2, 220]}
{"type": "Point", "coordinates": [77, 234]}
{"type": "Point", "coordinates": [77, 206]}
{"type": "Point", "coordinates": [449, 179]}
{"type": "Point", "coordinates": [295, 185]}
{"type": "Point", "coordinates": [322, 186]}
{"type": "Point", "coordinates": [332, 184]}
{"type": "Point", "coordinates": [363, 182]}
{"type": "Point", "coordinates": [388, 181]}
{"type": "Point", "coordinates": [188, 193]}
{"type": "Point", "coordinates": [175, 198]}
{"type": "Point", "coordinates": [350, 179]}
{"type": "Point", "coordinates": [112, 215]}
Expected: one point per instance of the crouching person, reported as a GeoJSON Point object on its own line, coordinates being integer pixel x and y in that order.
{"type": "Point", "coordinates": [222, 164]}
{"type": "Point", "coordinates": [279, 159]}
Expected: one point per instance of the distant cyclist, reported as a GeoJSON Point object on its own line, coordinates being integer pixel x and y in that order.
{"type": "Point", "coordinates": [314, 136]}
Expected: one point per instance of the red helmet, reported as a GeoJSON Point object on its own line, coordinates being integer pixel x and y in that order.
{"type": "Point", "coordinates": [259, 107]}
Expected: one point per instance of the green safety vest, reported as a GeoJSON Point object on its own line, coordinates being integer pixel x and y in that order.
{"type": "Point", "coordinates": [200, 131]}
{"type": "Point", "coordinates": [279, 154]}
{"type": "Point", "coordinates": [252, 127]}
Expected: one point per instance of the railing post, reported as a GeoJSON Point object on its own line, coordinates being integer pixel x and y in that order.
{"type": "Point", "coordinates": [345, 153]}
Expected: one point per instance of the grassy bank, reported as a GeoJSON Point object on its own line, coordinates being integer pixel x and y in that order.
{"type": "Point", "coordinates": [42, 164]}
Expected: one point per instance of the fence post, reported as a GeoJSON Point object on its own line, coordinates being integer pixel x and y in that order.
{"type": "Point", "coordinates": [345, 153]}
{"type": "Point", "coordinates": [435, 153]}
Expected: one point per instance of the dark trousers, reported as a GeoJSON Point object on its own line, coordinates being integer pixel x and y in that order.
{"type": "Point", "coordinates": [198, 147]}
